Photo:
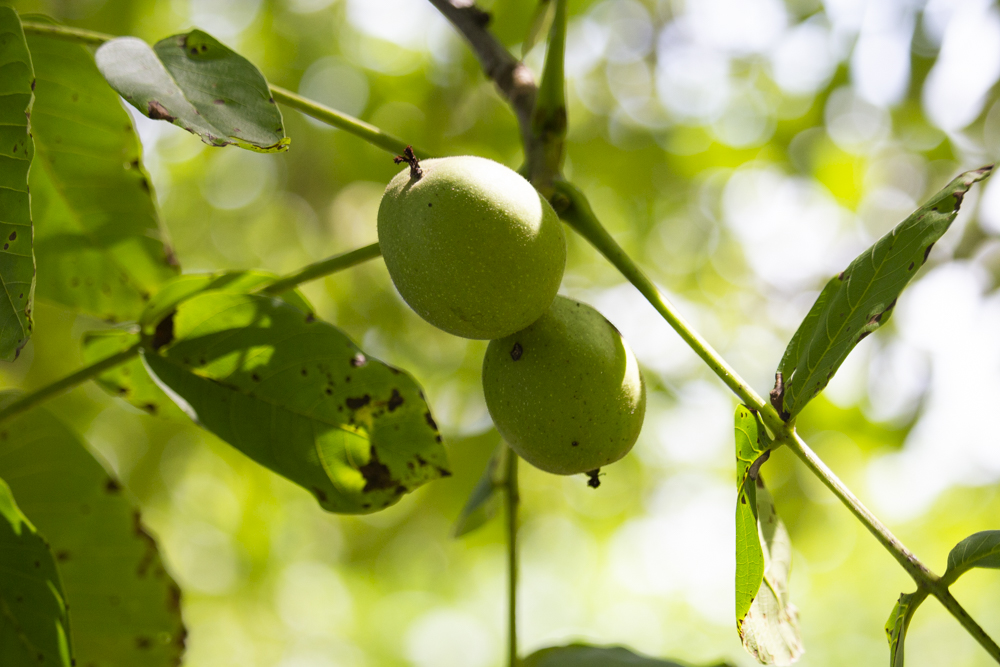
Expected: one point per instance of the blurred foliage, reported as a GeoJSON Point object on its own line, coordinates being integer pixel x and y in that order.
{"type": "Point", "coordinates": [743, 153]}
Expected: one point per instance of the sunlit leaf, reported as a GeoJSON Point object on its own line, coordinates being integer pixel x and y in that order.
{"type": "Point", "coordinates": [98, 242]}
{"type": "Point", "coordinates": [237, 282]}
{"type": "Point", "coordinates": [197, 83]}
{"type": "Point", "coordinates": [297, 396]}
{"type": "Point", "coordinates": [17, 263]}
{"type": "Point", "coordinates": [129, 381]}
{"type": "Point", "coordinates": [898, 623]}
{"type": "Point", "coordinates": [979, 550]}
{"type": "Point", "coordinates": [767, 622]}
{"type": "Point", "coordinates": [860, 299]}
{"type": "Point", "coordinates": [34, 628]}
{"type": "Point", "coordinates": [484, 501]}
{"type": "Point", "coordinates": [124, 608]}
{"type": "Point", "coordinates": [580, 655]}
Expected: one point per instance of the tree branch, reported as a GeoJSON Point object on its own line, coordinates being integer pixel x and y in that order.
{"type": "Point", "coordinates": [512, 77]}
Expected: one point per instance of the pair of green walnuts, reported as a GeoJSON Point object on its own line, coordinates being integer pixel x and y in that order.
{"type": "Point", "coordinates": [476, 251]}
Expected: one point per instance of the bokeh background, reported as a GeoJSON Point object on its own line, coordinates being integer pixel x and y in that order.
{"type": "Point", "coordinates": [743, 151]}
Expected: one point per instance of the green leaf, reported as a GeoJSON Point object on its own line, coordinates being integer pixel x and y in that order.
{"type": "Point", "coordinates": [581, 655]}
{"type": "Point", "coordinates": [17, 263]}
{"type": "Point", "coordinates": [197, 83]}
{"type": "Point", "coordinates": [34, 627]}
{"type": "Point", "coordinates": [297, 396]}
{"type": "Point", "coordinates": [899, 622]}
{"type": "Point", "coordinates": [484, 501]}
{"type": "Point", "coordinates": [766, 621]}
{"type": "Point", "coordinates": [184, 287]}
{"type": "Point", "coordinates": [124, 608]}
{"type": "Point", "coordinates": [98, 242]}
{"type": "Point", "coordinates": [752, 442]}
{"type": "Point", "coordinates": [981, 549]}
{"type": "Point", "coordinates": [860, 299]}
{"type": "Point", "coordinates": [130, 381]}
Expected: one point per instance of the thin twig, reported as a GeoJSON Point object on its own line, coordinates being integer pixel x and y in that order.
{"type": "Point", "coordinates": [512, 77]}
{"type": "Point", "coordinates": [513, 499]}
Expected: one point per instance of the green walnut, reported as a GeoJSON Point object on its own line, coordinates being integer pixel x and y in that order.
{"type": "Point", "coordinates": [566, 392]}
{"type": "Point", "coordinates": [470, 245]}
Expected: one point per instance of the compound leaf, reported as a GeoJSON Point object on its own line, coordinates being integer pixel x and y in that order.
{"type": "Point", "coordinates": [981, 549]}
{"type": "Point", "coordinates": [766, 621]}
{"type": "Point", "coordinates": [860, 299]}
{"type": "Point", "coordinates": [98, 242]}
{"type": "Point", "coordinates": [197, 83]}
{"type": "Point", "coordinates": [581, 655]}
{"type": "Point", "coordinates": [34, 627]}
{"type": "Point", "coordinates": [124, 608]}
{"type": "Point", "coordinates": [297, 396]}
{"type": "Point", "coordinates": [484, 501]}
{"type": "Point", "coordinates": [17, 262]}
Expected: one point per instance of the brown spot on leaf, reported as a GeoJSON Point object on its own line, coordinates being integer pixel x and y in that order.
{"type": "Point", "coordinates": [377, 475]}
{"type": "Point", "coordinates": [358, 403]}
{"type": "Point", "coordinates": [910, 267]}
{"type": "Point", "coordinates": [310, 318]}
{"type": "Point", "coordinates": [430, 421]}
{"type": "Point", "coordinates": [516, 351]}
{"type": "Point", "coordinates": [164, 333]}
{"type": "Point", "coordinates": [157, 111]}
{"type": "Point", "coordinates": [62, 555]}
{"type": "Point", "coordinates": [112, 485]}
{"type": "Point", "coordinates": [320, 494]}
{"type": "Point", "coordinates": [143, 643]}
{"type": "Point", "coordinates": [13, 235]}
{"type": "Point", "coordinates": [394, 401]}
{"type": "Point", "coordinates": [927, 251]}
{"type": "Point", "coordinates": [574, 444]}
{"type": "Point", "coordinates": [218, 101]}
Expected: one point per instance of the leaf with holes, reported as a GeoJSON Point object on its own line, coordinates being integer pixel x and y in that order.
{"type": "Point", "coordinates": [130, 381]}
{"type": "Point", "coordinates": [123, 606]}
{"type": "Point", "coordinates": [98, 241]}
{"type": "Point", "coordinates": [197, 83]}
{"type": "Point", "coordinates": [767, 622]}
{"type": "Point", "coordinates": [581, 655]}
{"type": "Point", "coordinates": [484, 501]}
{"type": "Point", "coordinates": [297, 396]}
{"type": "Point", "coordinates": [981, 549]}
{"type": "Point", "coordinates": [899, 623]}
{"type": "Point", "coordinates": [34, 627]}
{"type": "Point", "coordinates": [17, 262]}
{"type": "Point", "coordinates": [860, 299]}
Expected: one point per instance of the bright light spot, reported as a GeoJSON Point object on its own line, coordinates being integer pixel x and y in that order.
{"type": "Point", "coordinates": [336, 84]}
{"type": "Point", "coordinates": [237, 178]}
{"type": "Point", "coordinates": [627, 27]}
{"type": "Point", "coordinates": [966, 69]}
{"type": "Point", "coordinates": [856, 126]}
{"type": "Point", "coordinates": [804, 58]}
{"type": "Point", "coordinates": [880, 64]}
{"type": "Point", "coordinates": [698, 429]}
{"type": "Point", "coordinates": [739, 27]}
{"type": "Point", "coordinates": [308, 6]}
{"type": "Point", "coordinates": [313, 601]}
{"type": "Point", "coordinates": [401, 22]}
{"type": "Point", "coordinates": [790, 228]}
{"type": "Point", "coordinates": [204, 558]}
{"type": "Point", "coordinates": [692, 81]}
{"type": "Point", "coordinates": [223, 18]}
{"type": "Point", "coordinates": [746, 122]}
{"type": "Point", "coordinates": [449, 638]}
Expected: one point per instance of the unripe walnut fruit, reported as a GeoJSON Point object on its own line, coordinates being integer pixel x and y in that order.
{"type": "Point", "coordinates": [566, 392]}
{"type": "Point", "coordinates": [471, 246]}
